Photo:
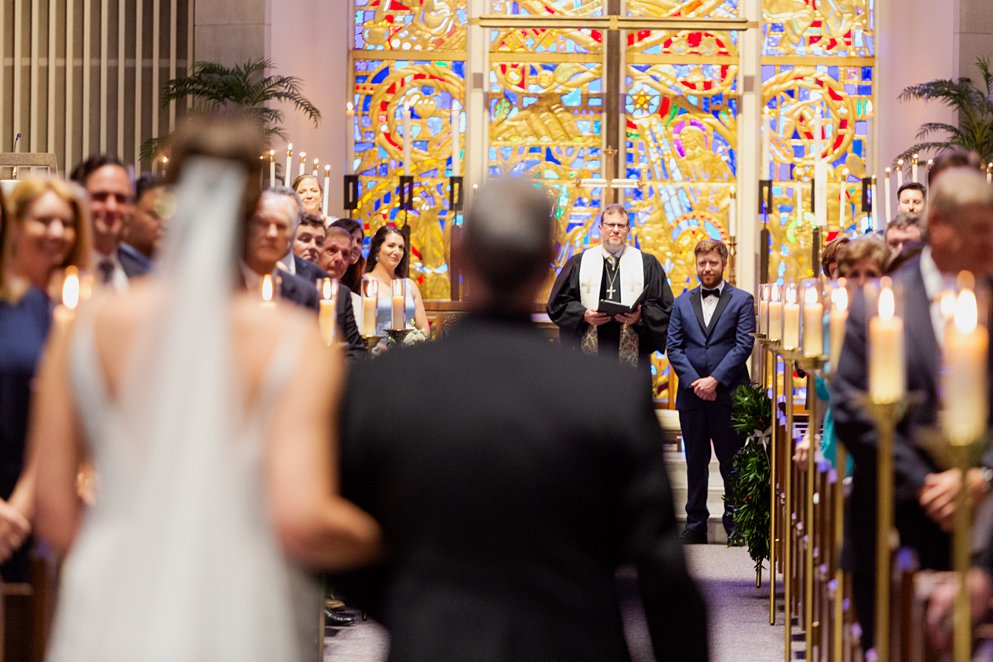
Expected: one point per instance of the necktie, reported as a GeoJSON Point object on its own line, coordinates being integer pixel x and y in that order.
{"type": "Point", "coordinates": [711, 293]}
{"type": "Point", "coordinates": [106, 271]}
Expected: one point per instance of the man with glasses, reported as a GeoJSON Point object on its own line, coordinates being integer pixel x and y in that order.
{"type": "Point", "coordinates": [613, 299]}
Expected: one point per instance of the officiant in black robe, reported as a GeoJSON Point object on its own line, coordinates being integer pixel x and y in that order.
{"type": "Point", "coordinates": [618, 272]}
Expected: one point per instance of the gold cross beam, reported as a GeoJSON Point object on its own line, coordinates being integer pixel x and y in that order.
{"type": "Point", "coordinates": [612, 22]}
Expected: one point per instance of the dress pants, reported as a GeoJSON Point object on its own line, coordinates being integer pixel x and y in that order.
{"type": "Point", "coordinates": [702, 425]}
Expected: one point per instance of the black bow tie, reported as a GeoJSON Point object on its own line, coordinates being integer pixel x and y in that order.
{"type": "Point", "coordinates": [710, 293]}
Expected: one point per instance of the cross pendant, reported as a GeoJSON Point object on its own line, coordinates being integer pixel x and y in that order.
{"type": "Point", "coordinates": [610, 291]}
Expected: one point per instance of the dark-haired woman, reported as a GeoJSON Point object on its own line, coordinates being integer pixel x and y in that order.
{"type": "Point", "coordinates": [388, 262]}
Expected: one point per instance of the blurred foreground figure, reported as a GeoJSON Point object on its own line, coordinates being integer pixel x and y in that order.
{"type": "Point", "coordinates": [516, 478]}
{"type": "Point", "coordinates": [208, 418]}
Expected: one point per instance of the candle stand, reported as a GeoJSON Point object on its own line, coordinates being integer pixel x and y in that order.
{"type": "Point", "coordinates": [790, 358]}
{"type": "Point", "coordinates": [885, 415]}
{"type": "Point", "coordinates": [766, 349]}
{"type": "Point", "coordinates": [812, 366]}
{"type": "Point", "coordinates": [371, 341]}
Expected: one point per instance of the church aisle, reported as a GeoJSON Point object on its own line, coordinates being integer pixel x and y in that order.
{"type": "Point", "coordinates": [739, 616]}
{"type": "Point", "coordinates": [739, 612]}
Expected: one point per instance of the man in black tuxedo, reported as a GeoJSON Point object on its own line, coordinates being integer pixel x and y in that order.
{"type": "Point", "coordinates": [335, 253]}
{"type": "Point", "coordinates": [710, 340]}
{"type": "Point", "coordinates": [508, 509]}
{"type": "Point", "coordinates": [269, 233]}
{"type": "Point", "coordinates": [111, 196]}
{"type": "Point", "coordinates": [960, 238]}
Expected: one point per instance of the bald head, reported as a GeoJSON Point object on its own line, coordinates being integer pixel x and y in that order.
{"type": "Point", "coordinates": [507, 238]}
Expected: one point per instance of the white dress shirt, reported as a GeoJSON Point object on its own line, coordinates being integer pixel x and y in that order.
{"type": "Point", "coordinates": [934, 283]}
{"type": "Point", "coordinates": [709, 304]}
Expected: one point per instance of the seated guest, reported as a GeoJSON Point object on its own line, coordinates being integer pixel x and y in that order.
{"type": "Point", "coordinates": [356, 265]}
{"type": "Point", "coordinates": [334, 261]}
{"type": "Point", "coordinates": [863, 259]}
{"type": "Point", "coordinates": [504, 535]}
{"type": "Point", "coordinates": [108, 188]}
{"type": "Point", "coordinates": [152, 207]}
{"type": "Point", "coordinates": [307, 243]}
{"type": "Point", "coordinates": [904, 228]}
{"type": "Point", "coordinates": [269, 234]}
{"type": "Point", "coordinates": [911, 198]}
{"type": "Point", "coordinates": [388, 261]}
{"type": "Point", "coordinates": [949, 159]}
{"type": "Point", "coordinates": [45, 231]}
{"type": "Point", "coordinates": [960, 238]}
{"type": "Point", "coordinates": [829, 258]}
{"type": "Point", "coordinates": [291, 262]}
{"type": "Point", "coordinates": [311, 194]}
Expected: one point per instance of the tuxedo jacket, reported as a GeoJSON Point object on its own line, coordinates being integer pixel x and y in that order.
{"type": "Point", "coordinates": [308, 270]}
{"type": "Point", "coordinates": [720, 349]}
{"type": "Point", "coordinates": [304, 293]}
{"type": "Point", "coordinates": [910, 459]}
{"type": "Point", "coordinates": [508, 509]}
{"type": "Point", "coordinates": [133, 262]}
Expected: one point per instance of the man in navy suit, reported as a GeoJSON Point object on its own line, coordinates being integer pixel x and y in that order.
{"type": "Point", "coordinates": [108, 186]}
{"type": "Point", "coordinates": [709, 344]}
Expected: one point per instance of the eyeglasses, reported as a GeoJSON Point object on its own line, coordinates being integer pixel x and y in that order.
{"type": "Point", "coordinates": [615, 226]}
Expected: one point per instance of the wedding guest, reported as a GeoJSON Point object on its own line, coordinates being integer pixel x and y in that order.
{"type": "Point", "coordinates": [212, 423]}
{"type": "Point", "coordinates": [356, 267]}
{"type": "Point", "coordinates": [311, 193]}
{"type": "Point", "coordinates": [950, 159]}
{"type": "Point", "coordinates": [309, 238]}
{"type": "Point", "coordinates": [863, 259]}
{"type": "Point", "coordinates": [290, 262]}
{"type": "Point", "coordinates": [911, 198]}
{"type": "Point", "coordinates": [334, 261]}
{"type": "Point", "coordinates": [388, 262]}
{"type": "Point", "coordinates": [829, 257]}
{"type": "Point", "coordinates": [505, 533]}
{"type": "Point", "coordinates": [904, 229]}
{"type": "Point", "coordinates": [43, 229]}
{"type": "Point", "coordinates": [152, 207]}
{"type": "Point", "coordinates": [107, 182]}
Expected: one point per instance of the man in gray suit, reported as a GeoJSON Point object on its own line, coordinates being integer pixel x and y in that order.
{"type": "Point", "coordinates": [509, 488]}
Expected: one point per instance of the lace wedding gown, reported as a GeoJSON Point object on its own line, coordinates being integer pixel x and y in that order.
{"type": "Point", "coordinates": [177, 561]}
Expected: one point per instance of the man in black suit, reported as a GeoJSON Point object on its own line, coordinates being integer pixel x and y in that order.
{"type": "Point", "coordinates": [960, 238]}
{"type": "Point", "coordinates": [510, 489]}
{"type": "Point", "coordinates": [111, 196]}
{"type": "Point", "coordinates": [335, 253]}
{"type": "Point", "coordinates": [269, 233]}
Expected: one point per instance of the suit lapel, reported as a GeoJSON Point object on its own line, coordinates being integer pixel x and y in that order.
{"type": "Point", "coordinates": [921, 331]}
{"type": "Point", "coordinates": [722, 303]}
{"type": "Point", "coordinates": [698, 308]}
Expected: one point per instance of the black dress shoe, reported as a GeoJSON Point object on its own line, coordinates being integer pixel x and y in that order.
{"type": "Point", "coordinates": [336, 620]}
{"type": "Point", "coordinates": [693, 537]}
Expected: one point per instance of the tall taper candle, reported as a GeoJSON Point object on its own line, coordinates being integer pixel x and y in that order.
{"type": "Point", "coordinates": [303, 164]}
{"type": "Point", "coordinates": [316, 168]}
{"type": "Point", "coordinates": [964, 384]}
{"type": "Point", "coordinates": [775, 313]}
{"type": "Point", "coordinates": [887, 196]}
{"type": "Point", "coordinates": [272, 168]}
{"type": "Point", "coordinates": [913, 167]}
{"type": "Point", "coordinates": [766, 166]}
{"type": "Point", "coordinates": [733, 213]}
{"type": "Point", "coordinates": [327, 190]}
{"type": "Point", "coordinates": [407, 138]}
{"type": "Point", "coordinates": [837, 321]}
{"type": "Point", "coordinates": [813, 321]}
{"type": "Point", "coordinates": [842, 200]}
{"type": "Point", "coordinates": [287, 177]}
{"type": "Point", "coordinates": [791, 319]}
{"type": "Point", "coordinates": [899, 173]}
{"type": "Point", "coordinates": [370, 303]}
{"type": "Point", "coordinates": [874, 197]}
{"type": "Point", "coordinates": [764, 309]}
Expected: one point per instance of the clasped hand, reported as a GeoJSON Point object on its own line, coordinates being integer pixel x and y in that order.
{"type": "Point", "coordinates": [705, 388]}
{"type": "Point", "coordinates": [14, 530]}
{"type": "Point", "coordinates": [937, 496]}
{"type": "Point", "coordinates": [596, 318]}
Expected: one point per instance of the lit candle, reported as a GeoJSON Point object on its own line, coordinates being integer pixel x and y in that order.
{"type": "Point", "coordinates": [289, 165]}
{"type": "Point", "coordinates": [272, 168]}
{"type": "Point", "coordinates": [316, 168]}
{"type": "Point", "coordinates": [64, 313]}
{"type": "Point", "coordinates": [764, 309]}
{"type": "Point", "coordinates": [165, 165]}
{"type": "Point", "coordinates": [820, 176]}
{"type": "Point", "coordinates": [913, 168]}
{"type": "Point", "coordinates": [406, 141]}
{"type": "Point", "coordinates": [837, 320]}
{"type": "Point", "coordinates": [842, 201]}
{"type": "Point", "coordinates": [268, 292]}
{"type": "Point", "coordinates": [733, 213]}
{"type": "Point", "coordinates": [327, 189]}
{"type": "Point", "coordinates": [456, 142]}
{"type": "Point", "coordinates": [399, 290]}
{"type": "Point", "coordinates": [303, 163]}
{"type": "Point", "coordinates": [964, 392]}
{"type": "Point", "coordinates": [326, 316]}
{"type": "Point", "coordinates": [349, 109]}
{"type": "Point", "coordinates": [766, 167]}
{"type": "Point", "coordinates": [887, 195]}
{"type": "Point", "coordinates": [791, 319]}
{"type": "Point", "coordinates": [813, 321]}
{"type": "Point", "coordinates": [899, 173]}
{"type": "Point", "coordinates": [370, 301]}
{"type": "Point", "coordinates": [989, 173]}
{"type": "Point", "coordinates": [887, 376]}
{"type": "Point", "coordinates": [798, 202]}
{"type": "Point", "coordinates": [775, 327]}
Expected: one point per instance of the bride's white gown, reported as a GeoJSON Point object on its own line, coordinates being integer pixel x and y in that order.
{"type": "Point", "coordinates": [177, 561]}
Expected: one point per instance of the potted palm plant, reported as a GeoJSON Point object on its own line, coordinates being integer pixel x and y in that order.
{"type": "Point", "coordinates": [972, 103]}
{"type": "Point", "coordinates": [244, 89]}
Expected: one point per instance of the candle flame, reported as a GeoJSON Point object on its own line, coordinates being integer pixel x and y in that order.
{"type": "Point", "coordinates": [839, 297]}
{"type": "Point", "coordinates": [966, 312]}
{"type": "Point", "coordinates": [946, 305]}
{"type": "Point", "coordinates": [289, 148]}
{"type": "Point", "coordinates": [327, 169]}
{"type": "Point", "coordinates": [791, 294]}
{"type": "Point", "coordinates": [810, 296]}
{"type": "Point", "coordinates": [887, 303]}
{"type": "Point", "coordinates": [774, 294]}
{"type": "Point", "coordinates": [303, 156]}
{"type": "Point", "coordinates": [267, 288]}
{"type": "Point", "coordinates": [70, 289]}
{"type": "Point", "coordinates": [349, 108]}
{"type": "Point", "coordinates": [887, 171]}
{"type": "Point", "coordinates": [326, 289]}
{"type": "Point", "coordinates": [732, 192]}
{"type": "Point", "coordinates": [272, 154]}
{"type": "Point", "coordinates": [900, 163]}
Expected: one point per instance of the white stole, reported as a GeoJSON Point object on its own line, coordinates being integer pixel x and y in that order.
{"type": "Point", "coordinates": [632, 276]}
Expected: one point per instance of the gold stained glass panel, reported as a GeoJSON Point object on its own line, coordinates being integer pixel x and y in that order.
{"type": "Point", "coordinates": [685, 8]}
{"type": "Point", "coordinates": [818, 28]}
{"type": "Point", "coordinates": [409, 25]}
{"type": "Point", "coordinates": [548, 7]}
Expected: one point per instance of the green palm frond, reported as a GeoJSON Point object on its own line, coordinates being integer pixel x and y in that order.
{"type": "Point", "coordinates": [243, 89]}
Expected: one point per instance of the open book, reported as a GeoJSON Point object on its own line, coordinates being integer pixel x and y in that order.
{"type": "Point", "coordinates": [614, 308]}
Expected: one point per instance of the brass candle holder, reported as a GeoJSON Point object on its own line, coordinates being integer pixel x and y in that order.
{"type": "Point", "coordinates": [397, 335]}
{"type": "Point", "coordinates": [790, 357]}
{"type": "Point", "coordinates": [772, 348]}
{"type": "Point", "coordinates": [372, 341]}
